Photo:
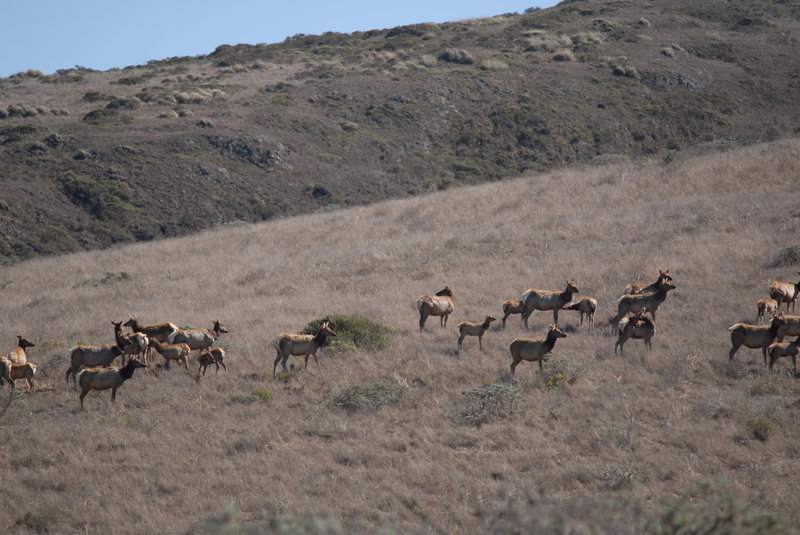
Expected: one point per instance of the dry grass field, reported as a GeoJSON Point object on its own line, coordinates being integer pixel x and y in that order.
{"type": "Point", "coordinates": [596, 444]}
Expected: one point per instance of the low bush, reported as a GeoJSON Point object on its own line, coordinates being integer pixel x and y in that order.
{"type": "Point", "coordinates": [368, 395]}
{"type": "Point", "coordinates": [353, 333]}
{"type": "Point", "coordinates": [488, 403]}
{"type": "Point", "coordinates": [788, 256]}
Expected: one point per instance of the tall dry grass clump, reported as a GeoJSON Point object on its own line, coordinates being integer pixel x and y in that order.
{"type": "Point", "coordinates": [592, 426]}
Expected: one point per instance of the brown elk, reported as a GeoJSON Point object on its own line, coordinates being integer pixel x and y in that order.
{"type": "Point", "coordinates": [785, 292]}
{"type": "Point", "coordinates": [300, 344]}
{"type": "Point", "coordinates": [637, 288]}
{"type": "Point", "coordinates": [754, 336]}
{"type": "Point", "coordinates": [638, 327]}
{"type": "Point", "coordinates": [534, 349]}
{"type": "Point", "coordinates": [547, 300]}
{"type": "Point", "coordinates": [440, 305]}
{"type": "Point", "coordinates": [473, 328]}
{"type": "Point", "coordinates": [586, 307]}
{"type": "Point", "coordinates": [639, 303]}
{"type": "Point", "coordinates": [512, 307]}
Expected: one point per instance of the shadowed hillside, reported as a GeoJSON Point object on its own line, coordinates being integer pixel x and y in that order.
{"type": "Point", "coordinates": [415, 438]}
{"type": "Point", "coordinates": [255, 132]}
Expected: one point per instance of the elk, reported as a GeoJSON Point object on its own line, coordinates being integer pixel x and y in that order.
{"type": "Point", "coordinates": [636, 288]}
{"type": "Point", "coordinates": [534, 349]}
{"type": "Point", "coordinates": [18, 356]}
{"type": "Point", "coordinates": [754, 336]}
{"type": "Point", "coordinates": [135, 345]}
{"type": "Point", "coordinates": [474, 328]}
{"type": "Point", "coordinates": [300, 344]}
{"type": "Point", "coordinates": [198, 338]}
{"type": "Point", "coordinates": [638, 327]}
{"type": "Point", "coordinates": [586, 306]}
{"type": "Point", "coordinates": [214, 355]}
{"type": "Point", "coordinates": [547, 300]}
{"type": "Point", "coordinates": [160, 332]}
{"type": "Point", "coordinates": [25, 371]}
{"type": "Point", "coordinates": [91, 356]}
{"type": "Point", "coordinates": [784, 349]}
{"type": "Point", "coordinates": [440, 305]}
{"type": "Point", "coordinates": [512, 307]}
{"type": "Point", "coordinates": [177, 352]}
{"type": "Point", "coordinates": [766, 306]}
{"type": "Point", "coordinates": [785, 292]}
{"type": "Point", "coordinates": [638, 303]}
{"type": "Point", "coordinates": [104, 378]}
{"type": "Point", "coordinates": [5, 370]}
{"type": "Point", "coordinates": [792, 327]}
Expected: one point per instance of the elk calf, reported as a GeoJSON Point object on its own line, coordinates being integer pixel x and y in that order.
{"type": "Point", "coordinates": [784, 349]}
{"type": "Point", "coordinates": [512, 307]}
{"type": "Point", "coordinates": [213, 355]}
{"type": "Point", "coordinates": [766, 306]}
{"type": "Point", "coordinates": [785, 292]}
{"type": "Point", "coordinates": [473, 328]}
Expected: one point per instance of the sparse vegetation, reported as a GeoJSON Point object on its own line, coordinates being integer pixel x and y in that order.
{"type": "Point", "coordinates": [788, 256]}
{"type": "Point", "coordinates": [368, 396]}
{"type": "Point", "coordinates": [353, 333]}
{"type": "Point", "coordinates": [488, 403]}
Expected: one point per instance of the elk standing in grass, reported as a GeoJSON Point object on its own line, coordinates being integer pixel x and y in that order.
{"type": "Point", "coordinates": [300, 344]}
{"type": "Point", "coordinates": [636, 288]}
{"type": "Point", "coordinates": [177, 352]}
{"type": "Point", "coordinates": [25, 371]}
{"type": "Point", "coordinates": [198, 338]}
{"type": "Point", "coordinates": [440, 305]}
{"type": "Point", "coordinates": [547, 300]}
{"type": "Point", "coordinates": [18, 356]}
{"type": "Point", "coordinates": [135, 345]}
{"type": "Point", "coordinates": [639, 303]}
{"type": "Point", "coordinates": [784, 349]}
{"type": "Point", "coordinates": [213, 355]}
{"type": "Point", "coordinates": [512, 307]}
{"type": "Point", "coordinates": [638, 327]}
{"type": "Point", "coordinates": [105, 378]}
{"type": "Point", "coordinates": [754, 336]}
{"type": "Point", "coordinates": [586, 306]}
{"type": "Point", "coordinates": [791, 328]}
{"type": "Point", "coordinates": [766, 306]}
{"type": "Point", "coordinates": [159, 331]}
{"type": "Point", "coordinates": [91, 356]}
{"type": "Point", "coordinates": [785, 292]}
{"type": "Point", "coordinates": [534, 349]}
{"type": "Point", "coordinates": [473, 328]}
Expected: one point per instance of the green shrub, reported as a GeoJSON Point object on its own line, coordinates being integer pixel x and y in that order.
{"type": "Point", "coordinates": [560, 371]}
{"type": "Point", "coordinates": [368, 395]}
{"type": "Point", "coordinates": [104, 116]}
{"type": "Point", "coordinates": [759, 428]}
{"type": "Point", "coordinates": [282, 100]}
{"type": "Point", "coordinates": [452, 55]}
{"type": "Point", "coordinates": [788, 256]}
{"type": "Point", "coordinates": [353, 333]}
{"type": "Point", "coordinates": [488, 403]}
{"type": "Point", "coordinates": [227, 523]}
{"type": "Point", "coordinates": [103, 198]}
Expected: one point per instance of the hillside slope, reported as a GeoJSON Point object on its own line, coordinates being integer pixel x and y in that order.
{"type": "Point", "coordinates": [250, 133]}
{"type": "Point", "coordinates": [593, 445]}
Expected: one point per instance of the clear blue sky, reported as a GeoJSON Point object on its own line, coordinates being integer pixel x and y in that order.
{"type": "Point", "coordinates": [102, 34]}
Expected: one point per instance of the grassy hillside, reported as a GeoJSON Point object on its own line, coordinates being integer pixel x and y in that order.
{"type": "Point", "coordinates": [251, 133]}
{"type": "Point", "coordinates": [414, 437]}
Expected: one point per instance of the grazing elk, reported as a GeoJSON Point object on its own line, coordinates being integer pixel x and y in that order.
{"type": "Point", "coordinates": [785, 292]}
{"type": "Point", "coordinates": [547, 300]}
{"type": "Point", "coordinates": [104, 378]}
{"type": "Point", "coordinates": [638, 327]}
{"type": "Point", "coordinates": [440, 305]}
{"type": "Point", "coordinates": [636, 288]}
{"type": "Point", "coordinates": [639, 303]}
{"type": "Point", "coordinates": [512, 307]}
{"type": "Point", "coordinates": [300, 344]}
{"type": "Point", "coordinates": [754, 336]}
{"type": "Point", "coordinates": [764, 307]}
{"type": "Point", "coordinates": [586, 306]}
{"type": "Point", "coordinates": [534, 349]}
{"type": "Point", "coordinates": [784, 349]}
{"type": "Point", "coordinates": [473, 328]}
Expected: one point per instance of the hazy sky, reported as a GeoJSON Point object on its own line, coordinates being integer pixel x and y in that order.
{"type": "Point", "coordinates": [102, 34]}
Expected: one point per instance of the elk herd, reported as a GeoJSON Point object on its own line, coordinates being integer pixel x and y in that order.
{"type": "Point", "coordinates": [91, 366]}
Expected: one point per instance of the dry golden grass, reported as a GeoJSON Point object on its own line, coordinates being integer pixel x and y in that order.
{"type": "Point", "coordinates": [174, 451]}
